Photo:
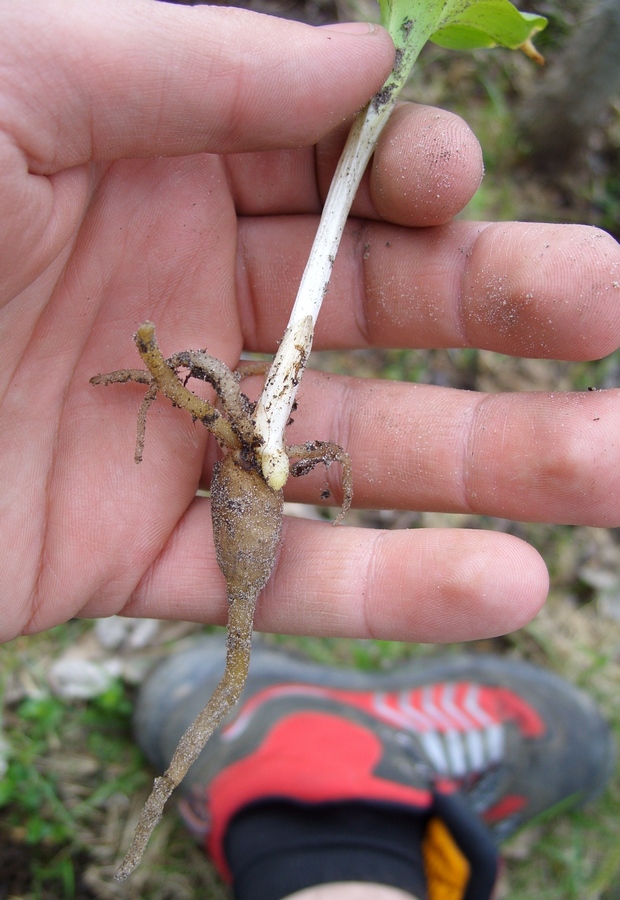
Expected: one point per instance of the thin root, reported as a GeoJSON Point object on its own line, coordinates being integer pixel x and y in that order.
{"type": "Point", "coordinates": [122, 376]}
{"type": "Point", "coordinates": [311, 454]}
{"type": "Point", "coordinates": [144, 408]}
{"type": "Point", "coordinates": [187, 752]}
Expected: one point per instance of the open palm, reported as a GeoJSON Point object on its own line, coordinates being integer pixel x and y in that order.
{"type": "Point", "coordinates": [117, 205]}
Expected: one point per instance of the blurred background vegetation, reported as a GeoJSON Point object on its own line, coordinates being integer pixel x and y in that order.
{"type": "Point", "coordinates": [72, 780]}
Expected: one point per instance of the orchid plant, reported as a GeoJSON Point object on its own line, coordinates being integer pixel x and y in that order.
{"type": "Point", "coordinates": [246, 487]}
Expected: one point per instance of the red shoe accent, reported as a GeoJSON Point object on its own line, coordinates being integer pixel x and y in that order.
{"type": "Point", "coordinates": [507, 806]}
{"type": "Point", "coordinates": [285, 766]}
{"type": "Point", "coordinates": [505, 705]}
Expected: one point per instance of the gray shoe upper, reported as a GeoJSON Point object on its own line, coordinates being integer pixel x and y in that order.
{"type": "Point", "coordinates": [428, 715]}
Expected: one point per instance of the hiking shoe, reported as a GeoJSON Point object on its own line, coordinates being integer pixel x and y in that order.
{"type": "Point", "coordinates": [468, 737]}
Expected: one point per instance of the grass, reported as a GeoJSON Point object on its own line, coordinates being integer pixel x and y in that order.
{"type": "Point", "coordinates": [74, 777]}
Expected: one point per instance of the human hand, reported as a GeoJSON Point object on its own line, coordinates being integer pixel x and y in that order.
{"type": "Point", "coordinates": [114, 208]}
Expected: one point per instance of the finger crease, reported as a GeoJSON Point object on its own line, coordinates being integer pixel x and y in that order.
{"type": "Point", "coordinates": [469, 498]}
{"type": "Point", "coordinates": [466, 256]}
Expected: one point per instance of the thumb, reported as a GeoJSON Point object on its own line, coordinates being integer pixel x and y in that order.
{"type": "Point", "coordinates": [128, 78]}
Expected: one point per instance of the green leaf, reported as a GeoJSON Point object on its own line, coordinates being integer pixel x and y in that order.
{"type": "Point", "coordinates": [460, 37]}
{"type": "Point", "coordinates": [456, 25]}
{"type": "Point", "coordinates": [485, 23]}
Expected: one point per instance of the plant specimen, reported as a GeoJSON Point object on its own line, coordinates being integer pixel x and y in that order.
{"type": "Point", "coordinates": [247, 521]}
{"type": "Point", "coordinates": [246, 488]}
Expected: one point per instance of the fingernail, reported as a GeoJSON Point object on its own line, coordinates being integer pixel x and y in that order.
{"type": "Point", "coordinates": [351, 27]}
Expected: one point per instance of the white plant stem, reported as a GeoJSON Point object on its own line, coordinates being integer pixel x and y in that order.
{"type": "Point", "coordinates": [276, 403]}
